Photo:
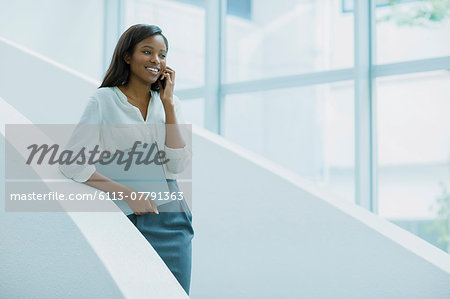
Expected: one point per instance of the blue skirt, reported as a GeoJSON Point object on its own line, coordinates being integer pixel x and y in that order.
{"type": "Point", "coordinates": [170, 234]}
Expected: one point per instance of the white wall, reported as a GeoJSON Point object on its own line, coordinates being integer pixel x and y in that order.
{"type": "Point", "coordinates": [262, 232]}
{"type": "Point", "coordinates": [44, 255]}
{"type": "Point", "coordinates": [41, 89]}
{"type": "Point", "coordinates": [69, 32]}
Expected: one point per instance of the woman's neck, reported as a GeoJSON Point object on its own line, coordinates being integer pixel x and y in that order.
{"type": "Point", "coordinates": [138, 92]}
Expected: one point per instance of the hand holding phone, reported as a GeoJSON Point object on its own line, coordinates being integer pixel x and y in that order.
{"type": "Point", "coordinates": [166, 84]}
{"type": "Point", "coordinates": [161, 82]}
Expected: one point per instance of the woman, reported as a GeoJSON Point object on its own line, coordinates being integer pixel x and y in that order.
{"type": "Point", "coordinates": [138, 90]}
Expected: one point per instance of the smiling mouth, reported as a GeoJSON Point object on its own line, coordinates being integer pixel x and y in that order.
{"type": "Point", "coordinates": [153, 70]}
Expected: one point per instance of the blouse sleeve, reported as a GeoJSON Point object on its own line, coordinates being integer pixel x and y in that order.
{"type": "Point", "coordinates": [178, 157]}
{"type": "Point", "coordinates": [84, 138]}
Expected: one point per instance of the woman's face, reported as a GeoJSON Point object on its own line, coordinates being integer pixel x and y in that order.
{"type": "Point", "coordinates": [148, 61]}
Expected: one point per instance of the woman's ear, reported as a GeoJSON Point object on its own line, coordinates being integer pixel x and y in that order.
{"type": "Point", "coordinates": [126, 58]}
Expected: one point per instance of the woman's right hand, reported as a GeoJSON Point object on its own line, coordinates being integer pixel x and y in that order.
{"type": "Point", "coordinates": [139, 206]}
{"type": "Point", "coordinates": [143, 206]}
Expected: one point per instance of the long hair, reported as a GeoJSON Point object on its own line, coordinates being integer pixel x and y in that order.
{"type": "Point", "coordinates": [119, 71]}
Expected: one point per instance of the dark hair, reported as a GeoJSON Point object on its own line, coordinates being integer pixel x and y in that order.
{"type": "Point", "coordinates": [119, 71]}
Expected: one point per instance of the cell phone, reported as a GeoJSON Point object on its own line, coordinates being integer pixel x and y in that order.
{"type": "Point", "coordinates": [163, 82]}
{"type": "Point", "coordinates": [155, 86]}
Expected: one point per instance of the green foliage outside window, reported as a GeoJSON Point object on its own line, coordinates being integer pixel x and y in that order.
{"type": "Point", "coordinates": [442, 223]}
{"type": "Point", "coordinates": [422, 13]}
{"type": "Point", "coordinates": [426, 13]}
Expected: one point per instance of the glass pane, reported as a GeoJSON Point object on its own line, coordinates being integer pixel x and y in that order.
{"type": "Point", "coordinates": [288, 37]}
{"type": "Point", "coordinates": [308, 130]}
{"type": "Point", "coordinates": [414, 151]}
{"type": "Point", "coordinates": [184, 26]}
{"type": "Point", "coordinates": [412, 30]}
{"type": "Point", "coordinates": [194, 111]}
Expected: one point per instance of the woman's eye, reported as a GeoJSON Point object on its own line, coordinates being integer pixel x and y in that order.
{"type": "Point", "coordinates": [146, 52]}
{"type": "Point", "coordinates": [163, 56]}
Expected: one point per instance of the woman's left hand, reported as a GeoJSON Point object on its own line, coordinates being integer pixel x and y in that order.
{"type": "Point", "coordinates": [166, 93]}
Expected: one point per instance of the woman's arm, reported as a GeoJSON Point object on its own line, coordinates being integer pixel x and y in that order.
{"type": "Point", "coordinates": [174, 137]}
{"type": "Point", "coordinates": [86, 135]}
{"type": "Point", "coordinates": [176, 150]}
{"type": "Point", "coordinates": [177, 141]}
{"type": "Point", "coordinates": [139, 207]}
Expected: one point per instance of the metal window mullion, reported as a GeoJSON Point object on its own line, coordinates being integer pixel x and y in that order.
{"type": "Point", "coordinates": [412, 66]}
{"type": "Point", "coordinates": [288, 81]}
{"type": "Point", "coordinates": [324, 77]}
{"type": "Point", "coordinates": [214, 15]}
{"type": "Point", "coordinates": [374, 114]}
{"type": "Point", "coordinates": [113, 17]}
{"type": "Point", "coordinates": [365, 145]}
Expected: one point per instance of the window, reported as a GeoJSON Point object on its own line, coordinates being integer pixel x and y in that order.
{"type": "Point", "coordinates": [194, 111]}
{"type": "Point", "coordinates": [239, 8]}
{"type": "Point", "coordinates": [184, 27]}
{"type": "Point", "coordinates": [413, 149]}
{"type": "Point", "coordinates": [286, 38]}
{"type": "Point", "coordinates": [411, 31]}
{"type": "Point", "coordinates": [308, 130]}
{"type": "Point", "coordinates": [307, 125]}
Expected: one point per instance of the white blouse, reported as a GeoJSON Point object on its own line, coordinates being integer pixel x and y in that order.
{"type": "Point", "coordinates": [110, 121]}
